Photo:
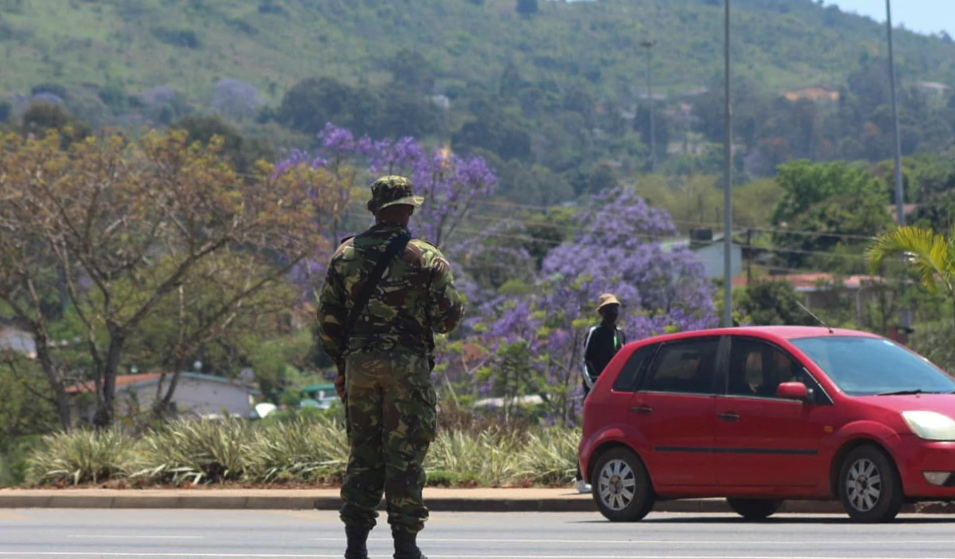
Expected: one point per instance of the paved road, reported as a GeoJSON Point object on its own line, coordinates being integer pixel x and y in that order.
{"type": "Point", "coordinates": [185, 534]}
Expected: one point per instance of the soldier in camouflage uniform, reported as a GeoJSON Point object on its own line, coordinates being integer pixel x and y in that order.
{"type": "Point", "coordinates": [385, 367]}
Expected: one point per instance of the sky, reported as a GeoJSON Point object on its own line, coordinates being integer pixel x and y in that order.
{"type": "Point", "coordinates": [924, 16]}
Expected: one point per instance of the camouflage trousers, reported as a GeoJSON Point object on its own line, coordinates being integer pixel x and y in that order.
{"type": "Point", "coordinates": [392, 416]}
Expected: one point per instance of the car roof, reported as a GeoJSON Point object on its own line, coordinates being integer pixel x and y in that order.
{"type": "Point", "coordinates": [772, 332]}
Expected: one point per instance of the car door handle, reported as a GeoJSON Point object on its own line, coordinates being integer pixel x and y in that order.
{"type": "Point", "coordinates": [728, 416]}
{"type": "Point", "coordinates": [642, 409]}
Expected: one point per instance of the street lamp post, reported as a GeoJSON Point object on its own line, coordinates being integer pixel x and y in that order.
{"type": "Point", "coordinates": [649, 44]}
{"type": "Point", "coordinates": [899, 191]}
{"type": "Point", "coordinates": [728, 183]}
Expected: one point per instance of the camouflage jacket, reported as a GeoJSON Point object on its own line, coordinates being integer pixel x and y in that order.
{"type": "Point", "coordinates": [415, 298]}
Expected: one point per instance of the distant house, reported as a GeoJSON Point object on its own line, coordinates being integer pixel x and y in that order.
{"type": "Point", "coordinates": [708, 249]}
{"type": "Point", "coordinates": [197, 395]}
{"type": "Point", "coordinates": [825, 290]}
{"type": "Point", "coordinates": [320, 396]}
{"type": "Point", "coordinates": [815, 93]}
{"type": "Point", "coordinates": [14, 339]}
{"type": "Point", "coordinates": [933, 88]}
{"type": "Point", "coordinates": [821, 291]}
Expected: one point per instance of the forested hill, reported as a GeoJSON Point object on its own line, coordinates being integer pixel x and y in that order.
{"type": "Point", "coordinates": [191, 44]}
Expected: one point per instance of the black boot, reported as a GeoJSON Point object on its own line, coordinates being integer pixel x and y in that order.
{"type": "Point", "coordinates": [405, 546]}
{"type": "Point", "coordinates": [357, 542]}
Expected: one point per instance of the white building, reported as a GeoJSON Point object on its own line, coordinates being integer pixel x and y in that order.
{"type": "Point", "coordinates": [14, 339]}
{"type": "Point", "coordinates": [708, 249]}
{"type": "Point", "coordinates": [196, 395]}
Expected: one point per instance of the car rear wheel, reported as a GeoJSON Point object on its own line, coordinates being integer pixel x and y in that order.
{"type": "Point", "coordinates": [621, 486]}
{"type": "Point", "coordinates": [754, 509]}
{"type": "Point", "coordinates": [869, 486]}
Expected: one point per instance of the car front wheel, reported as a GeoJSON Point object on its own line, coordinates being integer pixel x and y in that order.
{"type": "Point", "coordinates": [621, 486]}
{"type": "Point", "coordinates": [869, 486]}
{"type": "Point", "coordinates": [754, 509]}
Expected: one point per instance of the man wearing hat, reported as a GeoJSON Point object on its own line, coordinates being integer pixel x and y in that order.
{"type": "Point", "coordinates": [384, 297]}
{"type": "Point", "coordinates": [602, 343]}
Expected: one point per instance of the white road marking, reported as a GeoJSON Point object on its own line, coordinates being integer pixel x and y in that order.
{"type": "Point", "coordinates": [505, 541]}
{"type": "Point", "coordinates": [105, 555]}
{"type": "Point", "coordinates": [127, 537]}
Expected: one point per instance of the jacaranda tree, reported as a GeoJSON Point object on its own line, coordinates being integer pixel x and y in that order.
{"type": "Point", "coordinates": [531, 343]}
{"type": "Point", "coordinates": [527, 339]}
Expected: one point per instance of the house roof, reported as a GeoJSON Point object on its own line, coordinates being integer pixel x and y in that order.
{"type": "Point", "coordinates": [685, 242]}
{"type": "Point", "coordinates": [811, 283]}
{"type": "Point", "coordinates": [145, 379]}
{"type": "Point", "coordinates": [813, 93]}
{"type": "Point", "coordinates": [317, 387]}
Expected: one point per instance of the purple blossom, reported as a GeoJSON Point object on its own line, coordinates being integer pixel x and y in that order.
{"type": "Point", "coordinates": [618, 250]}
{"type": "Point", "coordinates": [450, 184]}
{"type": "Point", "coordinates": [339, 142]}
{"type": "Point", "coordinates": [235, 98]}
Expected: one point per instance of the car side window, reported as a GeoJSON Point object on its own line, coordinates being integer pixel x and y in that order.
{"type": "Point", "coordinates": [684, 366]}
{"type": "Point", "coordinates": [817, 395]}
{"type": "Point", "coordinates": [630, 374]}
{"type": "Point", "coordinates": [757, 368]}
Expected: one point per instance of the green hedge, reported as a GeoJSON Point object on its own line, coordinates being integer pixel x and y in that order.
{"type": "Point", "coordinates": [311, 450]}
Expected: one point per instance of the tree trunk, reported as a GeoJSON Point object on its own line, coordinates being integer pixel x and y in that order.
{"type": "Point", "coordinates": [53, 378]}
{"type": "Point", "coordinates": [162, 404]}
{"type": "Point", "coordinates": [104, 412]}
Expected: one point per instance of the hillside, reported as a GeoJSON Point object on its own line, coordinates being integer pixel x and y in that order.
{"type": "Point", "coordinates": [190, 44]}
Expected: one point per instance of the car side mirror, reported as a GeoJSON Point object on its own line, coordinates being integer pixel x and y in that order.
{"type": "Point", "coordinates": [792, 391]}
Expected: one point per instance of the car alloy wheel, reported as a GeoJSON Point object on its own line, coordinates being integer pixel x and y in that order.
{"type": "Point", "coordinates": [622, 487]}
{"type": "Point", "coordinates": [869, 485]}
{"type": "Point", "coordinates": [616, 485]}
{"type": "Point", "coordinates": [863, 485]}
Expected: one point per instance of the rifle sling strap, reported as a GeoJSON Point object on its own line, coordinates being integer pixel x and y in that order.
{"type": "Point", "coordinates": [396, 247]}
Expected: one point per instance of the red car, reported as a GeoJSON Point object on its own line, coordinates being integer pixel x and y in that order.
{"type": "Point", "coordinates": [759, 415]}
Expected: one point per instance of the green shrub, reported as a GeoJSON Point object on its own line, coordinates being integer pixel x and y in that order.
{"type": "Point", "coordinates": [302, 448]}
{"type": "Point", "coordinates": [80, 457]}
{"type": "Point", "coordinates": [549, 457]}
{"type": "Point", "coordinates": [178, 37]}
{"type": "Point", "coordinates": [14, 460]}
{"type": "Point", "coordinates": [491, 455]}
{"type": "Point", "coordinates": [441, 478]}
{"type": "Point", "coordinates": [195, 452]}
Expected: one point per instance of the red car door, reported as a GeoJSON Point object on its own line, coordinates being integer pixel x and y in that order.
{"type": "Point", "coordinates": [763, 440]}
{"type": "Point", "coordinates": [675, 410]}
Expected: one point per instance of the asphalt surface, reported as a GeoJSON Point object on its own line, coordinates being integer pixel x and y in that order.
{"type": "Point", "coordinates": [185, 534]}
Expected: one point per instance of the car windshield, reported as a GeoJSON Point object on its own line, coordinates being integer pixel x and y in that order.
{"type": "Point", "coordinates": [874, 366]}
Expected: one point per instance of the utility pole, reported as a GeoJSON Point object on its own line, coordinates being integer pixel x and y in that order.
{"type": "Point", "coordinates": [899, 192]}
{"type": "Point", "coordinates": [649, 44]}
{"type": "Point", "coordinates": [728, 184]}
{"type": "Point", "coordinates": [749, 257]}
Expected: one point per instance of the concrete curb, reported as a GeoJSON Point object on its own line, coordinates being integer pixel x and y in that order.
{"type": "Point", "coordinates": [212, 501]}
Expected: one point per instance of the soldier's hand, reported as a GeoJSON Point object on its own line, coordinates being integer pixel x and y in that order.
{"type": "Point", "coordinates": [340, 386]}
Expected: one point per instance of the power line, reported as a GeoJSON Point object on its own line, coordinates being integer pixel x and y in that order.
{"type": "Point", "coordinates": [738, 229]}
{"type": "Point", "coordinates": [651, 237]}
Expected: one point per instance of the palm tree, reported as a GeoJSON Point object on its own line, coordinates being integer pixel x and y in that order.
{"type": "Point", "coordinates": [930, 254]}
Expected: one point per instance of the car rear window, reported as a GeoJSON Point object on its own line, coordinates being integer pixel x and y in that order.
{"type": "Point", "coordinates": [685, 366]}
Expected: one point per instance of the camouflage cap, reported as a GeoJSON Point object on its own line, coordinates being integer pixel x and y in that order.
{"type": "Point", "coordinates": [392, 191]}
